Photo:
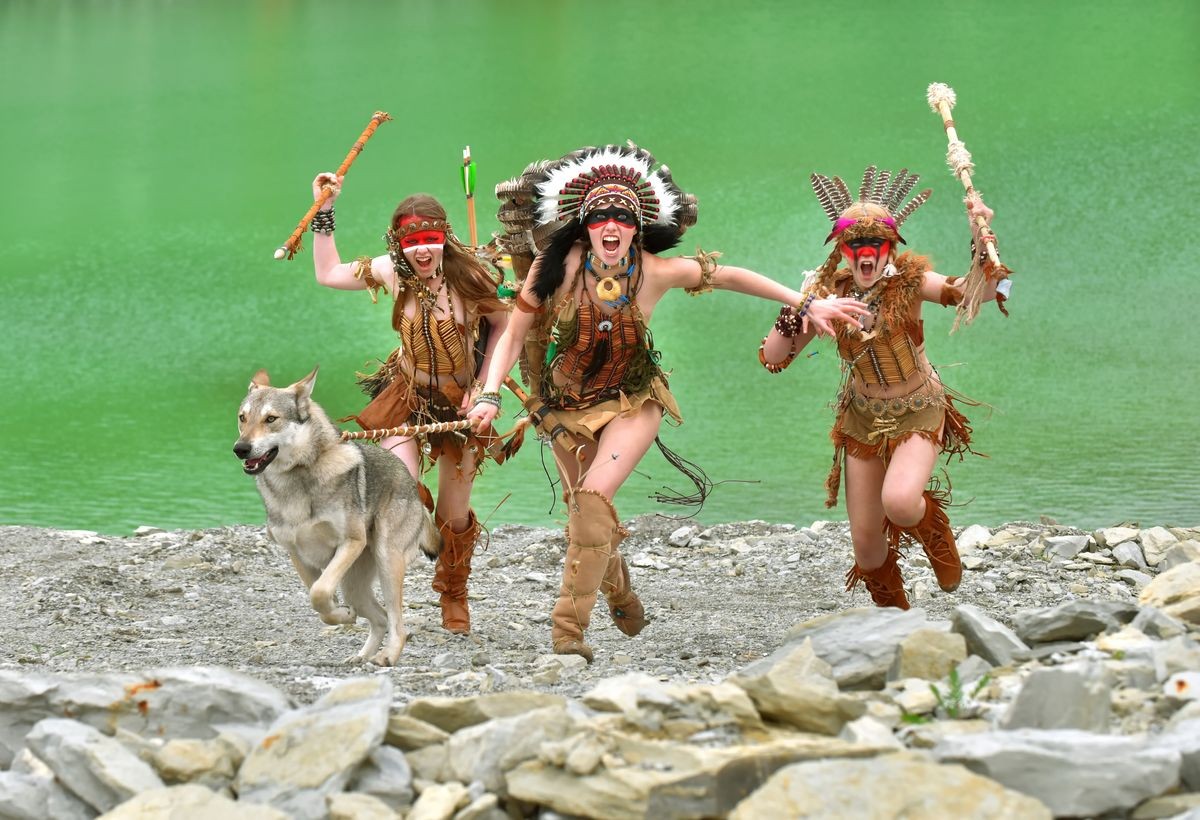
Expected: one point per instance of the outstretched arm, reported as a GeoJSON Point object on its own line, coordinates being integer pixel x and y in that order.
{"type": "Point", "coordinates": [682, 272]}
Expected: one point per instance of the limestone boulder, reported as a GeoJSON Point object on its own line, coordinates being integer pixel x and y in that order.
{"type": "Point", "coordinates": [859, 644]}
{"type": "Point", "coordinates": [1176, 592]}
{"type": "Point", "coordinates": [1076, 774]}
{"type": "Point", "coordinates": [312, 752]}
{"type": "Point", "coordinates": [899, 786]}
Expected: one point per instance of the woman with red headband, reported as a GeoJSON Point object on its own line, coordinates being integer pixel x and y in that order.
{"type": "Point", "coordinates": [894, 414]}
{"type": "Point", "coordinates": [442, 298]}
{"type": "Point", "coordinates": [600, 216]}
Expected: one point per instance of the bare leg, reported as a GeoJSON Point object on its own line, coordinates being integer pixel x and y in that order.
{"type": "Point", "coordinates": [908, 473]}
{"type": "Point", "coordinates": [864, 508]}
{"type": "Point", "coordinates": [454, 490]}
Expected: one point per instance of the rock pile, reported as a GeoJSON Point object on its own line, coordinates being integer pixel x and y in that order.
{"type": "Point", "coordinates": [1081, 699]}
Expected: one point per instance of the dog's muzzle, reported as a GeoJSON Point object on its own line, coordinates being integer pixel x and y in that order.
{"type": "Point", "coordinates": [254, 466]}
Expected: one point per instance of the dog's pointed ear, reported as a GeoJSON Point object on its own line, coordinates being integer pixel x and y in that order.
{"type": "Point", "coordinates": [303, 392]}
{"type": "Point", "coordinates": [303, 388]}
{"type": "Point", "coordinates": [260, 379]}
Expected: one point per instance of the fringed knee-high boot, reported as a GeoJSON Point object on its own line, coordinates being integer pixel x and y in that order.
{"type": "Point", "coordinates": [591, 526]}
{"type": "Point", "coordinates": [451, 573]}
{"type": "Point", "coordinates": [885, 583]}
{"type": "Point", "coordinates": [933, 533]}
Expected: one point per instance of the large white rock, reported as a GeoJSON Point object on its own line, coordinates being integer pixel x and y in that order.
{"type": "Point", "coordinates": [312, 752]}
{"type": "Point", "coordinates": [1076, 774]}
{"type": "Point", "coordinates": [168, 703]}
{"type": "Point", "coordinates": [1155, 543]}
{"type": "Point", "coordinates": [1062, 698]}
{"type": "Point", "coordinates": [1176, 592]}
{"type": "Point", "coordinates": [187, 802]}
{"type": "Point", "coordinates": [859, 644]}
{"type": "Point", "coordinates": [898, 786]}
{"type": "Point", "coordinates": [794, 686]}
{"type": "Point", "coordinates": [485, 752]}
{"type": "Point", "coordinates": [986, 637]}
{"type": "Point", "coordinates": [96, 768]}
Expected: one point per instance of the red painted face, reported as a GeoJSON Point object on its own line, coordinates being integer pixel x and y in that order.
{"type": "Point", "coordinates": [867, 248]}
{"type": "Point", "coordinates": [419, 238]}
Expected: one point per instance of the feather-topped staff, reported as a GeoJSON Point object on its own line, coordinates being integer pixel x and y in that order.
{"type": "Point", "coordinates": [468, 182]}
{"type": "Point", "coordinates": [288, 249]}
{"type": "Point", "coordinates": [941, 99]}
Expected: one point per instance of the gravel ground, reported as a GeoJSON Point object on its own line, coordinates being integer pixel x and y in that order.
{"type": "Point", "coordinates": [77, 601]}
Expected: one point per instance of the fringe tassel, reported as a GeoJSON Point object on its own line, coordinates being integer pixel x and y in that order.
{"type": "Point", "coordinates": [694, 473]}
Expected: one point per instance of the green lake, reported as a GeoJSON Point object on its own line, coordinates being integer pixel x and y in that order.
{"type": "Point", "coordinates": [158, 152]}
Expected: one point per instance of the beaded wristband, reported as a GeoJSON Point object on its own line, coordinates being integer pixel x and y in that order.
{"type": "Point", "coordinates": [802, 311]}
{"type": "Point", "coordinates": [322, 222]}
{"type": "Point", "coordinates": [492, 398]}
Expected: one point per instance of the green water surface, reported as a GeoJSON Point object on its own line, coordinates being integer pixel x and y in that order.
{"type": "Point", "coordinates": [158, 152]}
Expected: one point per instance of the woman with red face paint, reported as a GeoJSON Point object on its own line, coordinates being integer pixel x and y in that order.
{"type": "Point", "coordinates": [442, 297]}
{"type": "Point", "coordinates": [602, 215]}
{"type": "Point", "coordinates": [894, 415]}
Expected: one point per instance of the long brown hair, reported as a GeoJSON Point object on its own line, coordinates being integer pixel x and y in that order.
{"type": "Point", "coordinates": [465, 275]}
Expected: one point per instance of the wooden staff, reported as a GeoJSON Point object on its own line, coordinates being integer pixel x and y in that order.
{"type": "Point", "coordinates": [468, 182]}
{"type": "Point", "coordinates": [292, 245]}
{"type": "Point", "coordinates": [545, 419]}
{"type": "Point", "coordinates": [406, 430]}
{"type": "Point", "coordinates": [941, 99]}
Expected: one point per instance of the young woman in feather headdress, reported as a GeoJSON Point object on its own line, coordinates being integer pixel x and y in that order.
{"type": "Point", "coordinates": [585, 307]}
{"type": "Point", "coordinates": [894, 417]}
{"type": "Point", "coordinates": [442, 297]}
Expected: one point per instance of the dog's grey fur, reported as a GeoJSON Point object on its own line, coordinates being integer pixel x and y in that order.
{"type": "Point", "coordinates": [346, 512]}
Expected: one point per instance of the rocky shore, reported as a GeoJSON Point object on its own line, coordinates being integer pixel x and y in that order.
{"type": "Point", "coordinates": [184, 674]}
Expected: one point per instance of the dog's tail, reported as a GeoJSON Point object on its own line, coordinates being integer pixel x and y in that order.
{"type": "Point", "coordinates": [431, 537]}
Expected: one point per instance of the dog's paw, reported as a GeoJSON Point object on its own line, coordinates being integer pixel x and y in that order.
{"type": "Point", "coordinates": [385, 657]}
{"type": "Point", "coordinates": [357, 659]}
{"type": "Point", "coordinates": [340, 615]}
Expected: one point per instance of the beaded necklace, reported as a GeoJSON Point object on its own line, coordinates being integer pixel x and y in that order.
{"type": "Point", "coordinates": [608, 287]}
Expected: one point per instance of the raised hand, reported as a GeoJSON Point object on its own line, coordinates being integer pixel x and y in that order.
{"type": "Point", "coordinates": [327, 180]}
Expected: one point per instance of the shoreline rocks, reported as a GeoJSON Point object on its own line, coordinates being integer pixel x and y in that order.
{"type": "Point", "coordinates": [1072, 694]}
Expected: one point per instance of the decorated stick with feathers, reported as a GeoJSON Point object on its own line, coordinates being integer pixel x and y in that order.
{"type": "Point", "coordinates": [941, 99]}
{"type": "Point", "coordinates": [292, 245]}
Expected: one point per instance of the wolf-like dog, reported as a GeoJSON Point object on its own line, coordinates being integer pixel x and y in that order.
{"type": "Point", "coordinates": [346, 512]}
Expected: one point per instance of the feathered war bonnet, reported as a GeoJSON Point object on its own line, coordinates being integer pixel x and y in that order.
{"type": "Point", "coordinates": [544, 208]}
{"type": "Point", "coordinates": [877, 212]}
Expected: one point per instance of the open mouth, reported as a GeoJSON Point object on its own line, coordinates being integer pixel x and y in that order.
{"type": "Point", "coordinates": [611, 243]}
{"type": "Point", "coordinates": [867, 268]}
{"type": "Point", "coordinates": [254, 466]}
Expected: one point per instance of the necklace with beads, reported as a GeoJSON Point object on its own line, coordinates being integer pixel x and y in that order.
{"type": "Point", "coordinates": [608, 286]}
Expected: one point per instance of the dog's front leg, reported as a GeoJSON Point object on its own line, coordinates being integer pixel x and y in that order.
{"type": "Point", "coordinates": [302, 569]}
{"type": "Point", "coordinates": [392, 566]}
{"type": "Point", "coordinates": [321, 592]}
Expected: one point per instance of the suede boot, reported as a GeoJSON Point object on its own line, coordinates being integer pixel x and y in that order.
{"type": "Point", "coordinates": [885, 583]}
{"type": "Point", "coordinates": [935, 537]}
{"type": "Point", "coordinates": [591, 526]}
{"type": "Point", "coordinates": [623, 603]}
{"type": "Point", "coordinates": [451, 573]}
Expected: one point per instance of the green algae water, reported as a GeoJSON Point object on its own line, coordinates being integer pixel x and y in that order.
{"type": "Point", "coordinates": [158, 152]}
